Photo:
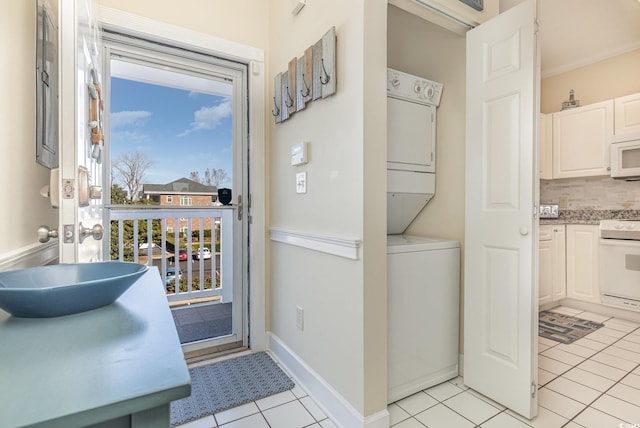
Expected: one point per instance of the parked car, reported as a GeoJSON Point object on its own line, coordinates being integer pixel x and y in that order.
{"type": "Point", "coordinates": [203, 253]}
{"type": "Point", "coordinates": [171, 275]}
{"type": "Point", "coordinates": [182, 256]}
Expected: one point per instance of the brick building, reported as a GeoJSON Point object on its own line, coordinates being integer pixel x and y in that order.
{"type": "Point", "coordinates": [182, 193]}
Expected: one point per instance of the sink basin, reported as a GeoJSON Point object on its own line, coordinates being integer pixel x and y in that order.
{"type": "Point", "coordinates": [63, 289]}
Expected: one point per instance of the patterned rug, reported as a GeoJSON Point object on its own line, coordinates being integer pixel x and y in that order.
{"type": "Point", "coordinates": [229, 383]}
{"type": "Point", "coordinates": [564, 328]}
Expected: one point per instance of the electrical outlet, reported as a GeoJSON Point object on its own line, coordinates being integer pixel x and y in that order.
{"type": "Point", "coordinates": [299, 317]}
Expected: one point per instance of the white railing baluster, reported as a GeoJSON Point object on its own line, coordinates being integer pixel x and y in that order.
{"type": "Point", "coordinates": [120, 240]}
{"type": "Point", "coordinates": [136, 246]}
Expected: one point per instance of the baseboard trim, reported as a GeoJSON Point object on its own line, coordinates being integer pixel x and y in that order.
{"type": "Point", "coordinates": [29, 256]}
{"type": "Point", "coordinates": [330, 401]}
{"type": "Point", "coordinates": [598, 308]}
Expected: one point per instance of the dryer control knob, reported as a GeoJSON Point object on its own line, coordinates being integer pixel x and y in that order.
{"type": "Point", "coordinates": [429, 92]}
{"type": "Point", "coordinates": [395, 82]}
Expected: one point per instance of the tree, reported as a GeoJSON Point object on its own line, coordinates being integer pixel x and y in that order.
{"type": "Point", "coordinates": [132, 167]}
{"type": "Point", "coordinates": [211, 177]}
{"type": "Point", "coordinates": [118, 195]}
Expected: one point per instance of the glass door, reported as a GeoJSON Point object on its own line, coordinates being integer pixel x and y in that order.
{"type": "Point", "coordinates": [176, 132]}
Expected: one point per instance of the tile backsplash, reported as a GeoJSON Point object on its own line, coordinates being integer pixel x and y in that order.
{"type": "Point", "coordinates": [600, 193]}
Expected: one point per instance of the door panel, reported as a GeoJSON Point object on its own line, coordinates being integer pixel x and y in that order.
{"type": "Point", "coordinates": [500, 238]}
{"type": "Point", "coordinates": [79, 55]}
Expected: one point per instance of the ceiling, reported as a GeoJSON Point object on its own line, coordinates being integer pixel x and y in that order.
{"type": "Point", "coordinates": [575, 33]}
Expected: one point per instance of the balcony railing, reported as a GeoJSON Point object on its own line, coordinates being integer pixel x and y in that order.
{"type": "Point", "coordinates": [171, 230]}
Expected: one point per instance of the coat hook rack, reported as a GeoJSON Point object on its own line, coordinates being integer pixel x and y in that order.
{"type": "Point", "coordinates": [307, 78]}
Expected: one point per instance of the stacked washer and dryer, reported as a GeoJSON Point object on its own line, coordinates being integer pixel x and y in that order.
{"type": "Point", "coordinates": [422, 273]}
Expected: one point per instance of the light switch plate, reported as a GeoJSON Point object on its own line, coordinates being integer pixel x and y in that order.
{"type": "Point", "coordinates": [301, 182]}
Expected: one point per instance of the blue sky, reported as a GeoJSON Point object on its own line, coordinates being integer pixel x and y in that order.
{"type": "Point", "coordinates": [179, 130]}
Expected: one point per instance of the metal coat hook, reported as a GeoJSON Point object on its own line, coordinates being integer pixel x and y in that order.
{"type": "Point", "coordinates": [289, 101]}
{"type": "Point", "coordinates": [275, 112]}
{"type": "Point", "coordinates": [307, 89]}
{"type": "Point", "coordinates": [324, 71]}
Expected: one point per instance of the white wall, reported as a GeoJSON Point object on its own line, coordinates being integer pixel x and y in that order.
{"type": "Point", "coordinates": [240, 21]}
{"type": "Point", "coordinates": [613, 77]}
{"type": "Point", "coordinates": [344, 338]}
{"type": "Point", "coordinates": [22, 208]}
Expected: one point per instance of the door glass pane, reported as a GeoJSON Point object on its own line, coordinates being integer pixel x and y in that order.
{"type": "Point", "coordinates": [171, 149]}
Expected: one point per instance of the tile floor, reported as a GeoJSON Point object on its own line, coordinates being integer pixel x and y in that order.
{"type": "Point", "coordinates": [592, 383]}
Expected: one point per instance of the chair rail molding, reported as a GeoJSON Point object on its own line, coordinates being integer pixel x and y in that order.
{"type": "Point", "coordinates": [30, 256]}
{"type": "Point", "coordinates": [342, 247]}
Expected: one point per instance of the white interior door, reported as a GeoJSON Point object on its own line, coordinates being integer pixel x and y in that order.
{"type": "Point", "coordinates": [80, 177]}
{"type": "Point", "coordinates": [500, 232]}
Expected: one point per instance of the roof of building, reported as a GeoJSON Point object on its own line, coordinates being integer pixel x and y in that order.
{"type": "Point", "coordinates": [181, 186]}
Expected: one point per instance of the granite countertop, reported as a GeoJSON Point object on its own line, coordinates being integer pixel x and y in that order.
{"type": "Point", "coordinates": [591, 216]}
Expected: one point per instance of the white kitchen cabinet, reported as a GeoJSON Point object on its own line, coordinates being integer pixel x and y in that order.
{"type": "Point", "coordinates": [546, 149]}
{"type": "Point", "coordinates": [581, 140]}
{"type": "Point", "coordinates": [627, 114]}
{"type": "Point", "coordinates": [551, 264]}
{"type": "Point", "coordinates": [582, 262]}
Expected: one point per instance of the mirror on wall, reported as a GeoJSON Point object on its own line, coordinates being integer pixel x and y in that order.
{"type": "Point", "coordinates": [46, 86]}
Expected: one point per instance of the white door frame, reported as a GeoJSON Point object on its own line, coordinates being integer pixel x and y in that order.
{"type": "Point", "coordinates": [254, 58]}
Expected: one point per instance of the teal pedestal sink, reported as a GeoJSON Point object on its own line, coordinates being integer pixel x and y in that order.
{"type": "Point", "coordinates": [63, 289]}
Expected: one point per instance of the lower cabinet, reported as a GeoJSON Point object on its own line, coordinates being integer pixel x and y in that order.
{"type": "Point", "coordinates": [551, 264]}
{"type": "Point", "coordinates": [582, 262]}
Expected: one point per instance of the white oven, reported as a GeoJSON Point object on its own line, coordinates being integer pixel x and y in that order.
{"type": "Point", "coordinates": [619, 263]}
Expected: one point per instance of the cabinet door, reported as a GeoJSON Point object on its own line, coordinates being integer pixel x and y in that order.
{"type": "Point", "coordinates": [581, 140]}
{"type": "Point", "coordinates": [546, 134]}
{"type": "Point", "coordinates": [582, 263]}
{"type": "Point", "coordinates": [545, 272]}
{"type": "Point", "coordinates": [627, 114]}
{"type": "Point", "coordinates": [559, 287]}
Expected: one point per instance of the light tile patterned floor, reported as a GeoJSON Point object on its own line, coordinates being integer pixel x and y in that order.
{"type": "Point", "coordinates": [592, 383]}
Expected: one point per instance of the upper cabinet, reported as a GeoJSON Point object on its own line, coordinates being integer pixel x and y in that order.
{"type": "Point", "coordinates": [581, 140]}
{"type": "Point", "coordinates": [627, 114]}
{"type": "Point", "coordinates": [546, 158]}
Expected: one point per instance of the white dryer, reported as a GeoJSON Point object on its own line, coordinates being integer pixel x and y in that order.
{"type": "Point", "coordinates": [423, 286]}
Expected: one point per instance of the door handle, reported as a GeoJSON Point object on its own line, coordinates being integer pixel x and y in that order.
{"type": "Point", "coordinates": [95, 232]}
{"type": "Point", "coordinates": [45, 233]}
{"type": "Point", "coordinates": [524, 230]}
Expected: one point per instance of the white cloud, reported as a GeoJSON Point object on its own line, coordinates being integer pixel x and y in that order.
{"type": "Point", "coordinates": [129, 136]}
{"type": "Point", "coordinates": [209, 117]}
{"type": "Point", "coordinates": [124, 118]}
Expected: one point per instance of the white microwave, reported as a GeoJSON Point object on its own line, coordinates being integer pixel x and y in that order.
{"type": "Point", "coordinates": [625, 157]}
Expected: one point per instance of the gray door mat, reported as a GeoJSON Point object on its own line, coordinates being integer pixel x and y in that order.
{"type": "Point", "coordinates": [564, 328]}
{"type": "Point", "coordinates": [229, 383]}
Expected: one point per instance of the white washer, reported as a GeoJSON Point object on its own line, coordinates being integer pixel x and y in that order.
{"type": "Point", "coordinates": [423, 287]}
